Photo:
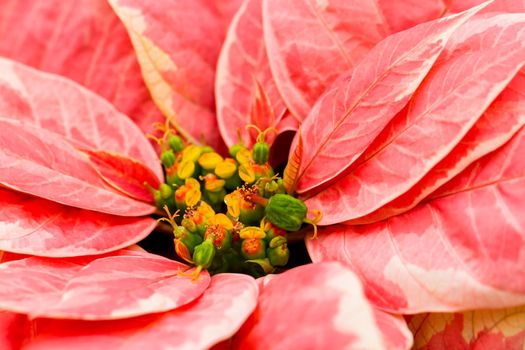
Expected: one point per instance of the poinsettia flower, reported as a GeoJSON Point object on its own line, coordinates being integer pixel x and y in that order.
{"type": "Point", "coordinates": [410, 138]}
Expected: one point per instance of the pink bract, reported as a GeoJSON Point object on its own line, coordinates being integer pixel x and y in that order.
{"type": "Point", "coordinates": [411, 120]}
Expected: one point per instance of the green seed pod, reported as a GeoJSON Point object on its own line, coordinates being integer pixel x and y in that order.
{"type": "Point", "coordinates": [207, 149]}
{"type": "Point", "coordinates": [190, 240]}
{"type": "Point", "coordinates": [286, 212]}
{"type": "Point", "coordinates": [204, 254]}
{"type": "Point", "coordinates": [253, 248]}
{"type": "Point", "coordinates": [234, 149]}
{"type": "Point", "coordinates": [251, 216]}
{"type": "Point", "coordinates": [189, 225]}
{"type": "Point", "coordinates": [175, 143]}
{"type": "Point", "coordinates": [166, 195]}
{"type": "Point", "coordinates": [279, 255]}
{"type": "Point", "coordinates": [261, 152]}
{"type": "Point", "coordinates": [167, 158]}
{"type": "Point", "coordinates": [174, 180]}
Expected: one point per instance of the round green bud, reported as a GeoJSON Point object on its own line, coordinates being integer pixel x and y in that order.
{"type": "Point", "coordinates": [261, 152]}
{"type": "Point", "coordinates": [167, 158]}
{"type": "Point", "coordinates": [191, 240]}
{"type": "Point", "coordinates": [286, 212]}
{"type": "Point", "coordinates": [204, 253]}
{"type": "Point", "coordinates": [175, 143]}
{"type": "Point", "coordinates": [233, 150]}
{"type": "Point", "coordinates": [279, 255]}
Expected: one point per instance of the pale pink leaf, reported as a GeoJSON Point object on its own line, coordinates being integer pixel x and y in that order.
{"type": "Point", "coordinates": [213, 317]}
{"type": "Point", "coordinates": [124, 174]}
{"type": "Point", "coordinates": [496, 126]}
{"type": "Point", "coordinates": [315, 306]}
{"type": "Point", "coordinates": [84, 41]}
{"type": "Point", "coordinates": [44, 164]}
{"type": "Point", "coordinates": [312, 42]}
{"type": "Point", "coordinates": [35, 226]}
{"type": "Point", "coordinates": [354, 110]}
{"type": "Point", "coordinates": [126, 284]}
{"type": "Point", "coordinates": [463, 249]}
{"type": "Point", "coordinates": [508, 6]}
{"type": "Point", "coordinates": [462, 84]}
{"type": "Point", "coordinates": [59, 105]}
{"type": "Point", "coordinates": [500, 329]}
{"type": "Point", "coordinates": [177, 45]}
{"type": "Point", "coordinates": [403, 14]}
{"type": "Point", "coordinates": [242, 65]}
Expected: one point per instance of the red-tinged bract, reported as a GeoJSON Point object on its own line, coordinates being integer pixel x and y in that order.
{"type": "Point", "coordinates": [122, 285]}
{"type": "Point", "coordinates": [461, 249]}
{"type": "Point", "coordinates": [35, 226]}
{"type": "Point", "coordinates": [354, 110]}
{"type": "Point", "coordinates": [287, 318]}
{"type": "Point", "coordinates": [467, 77]}
{"type": "Point", "coordinates": [410, 126]}
{"type": "Point", "coordinates": [244, 77]}
{"type": "Point", "coordinates": [84, 41]}
{"type": "Point", "coordinates": [213, 317]}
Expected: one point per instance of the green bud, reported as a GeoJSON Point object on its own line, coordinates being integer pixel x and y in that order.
{"type": "Point", "coordinates": [166, 195]}
{"type": "Point", "coordinates": [190, 240]}
{"type": "Point", "coordinates": [234, 149]}
{"type": "Point", "coordinates": [286, 212]}
{"type": "Point", "coordinates": [175, 143]}
{"type": "Point", "coordinates": [204, 254]}
{"type": "Point", "coordinates": [174, 180]}
{"type": "Point", "coordinates": [167, 158]}
{"type": "Point", "coordinates": [279, 255]}
{"type": "Point", "coordinates": [207, 149]}
{"type": "Point", "coordinates": [253, 248]}
{"type": "Point", "coordinates": [252, 216]}
{"type": "Point", "coordinates": [261, 152]}
{"type": "Point", "coordinates": [189, 225]}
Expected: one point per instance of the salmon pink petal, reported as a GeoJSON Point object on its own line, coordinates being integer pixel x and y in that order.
{"type": "Point", "coordinates": [403, 14]}
{"type": "Point", "coordinates": [124, 174]}
{"type": "Point", "coordinates": [213, 317]}
{"type": "Point", "coordinates": [122, 285]}
{"type": "Point", "coordinates": [177, 44]}
{"type": "Point", "coordinates": [84, 41]}
{"type": "Point", "coordinates": [243, 66]}
{"type": "Point", "coordinates": [496, 126]}
{"type": "Point", "coordinates": [480, 329]}
{"type": "Point", "coordinates": [462, 249]}
{"type": "Point", "coordinates": [316, 305]}
{"type": "Point", "coordinates": [44, 164]}
{"type": "Point", "coordinates": [56, 104]}
{"type": "Point", "coordinates": [311, 43]}
{"type": "Point", "coordinates": [35, 226]}
{"type": "Point", "coordinates": [468, 76]}
{"type": "Point", "coordinates": [354, 110]}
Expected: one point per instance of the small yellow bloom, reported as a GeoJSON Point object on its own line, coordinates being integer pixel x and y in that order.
{"type": "Point", "coordinates": [252, 232]}
{"type": "Point", "coordinates": [209, 161]}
